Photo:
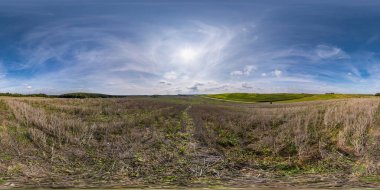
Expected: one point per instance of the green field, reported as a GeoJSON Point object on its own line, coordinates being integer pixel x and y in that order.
{"type": "Point", "coordinates": [281, 97]}
{"type": "Point", "coordinates": [328, 97]}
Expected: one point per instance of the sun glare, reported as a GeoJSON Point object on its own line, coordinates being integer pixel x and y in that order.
{"type": "Point", "coordinates": [188, 54]}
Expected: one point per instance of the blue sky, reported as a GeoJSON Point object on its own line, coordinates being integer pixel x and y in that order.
{"type": "Point", "coordinates": [171, 47]}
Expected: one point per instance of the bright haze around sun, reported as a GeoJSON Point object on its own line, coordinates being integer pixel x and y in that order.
{"type": "Point", "coordinates": [187, 54]}
{"type": "Point", "coordinates": [189, 47]}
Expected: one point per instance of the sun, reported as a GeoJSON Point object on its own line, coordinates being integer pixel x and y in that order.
{"type": "Point", "coordinates": [188, 54]}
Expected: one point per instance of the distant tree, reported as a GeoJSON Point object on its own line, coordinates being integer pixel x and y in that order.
{"type": "Point", "coordinates": [89, 95]}
{"type": "Point", "coordinates": [377, 94]}
{"type": "Point", "coordinates": [23, 95]}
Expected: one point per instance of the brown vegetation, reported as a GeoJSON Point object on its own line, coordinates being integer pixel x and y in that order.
{"type": "Point", "coordinates": [184, 140]}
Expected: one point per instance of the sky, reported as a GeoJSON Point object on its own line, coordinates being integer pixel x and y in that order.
{"type": "Point", "coordinates": [189, 47]}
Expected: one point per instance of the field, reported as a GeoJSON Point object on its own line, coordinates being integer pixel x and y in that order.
{"type": "Point", "coordinates": [281, 97]}
{"type": "Point", "coordinates": [189, 140]}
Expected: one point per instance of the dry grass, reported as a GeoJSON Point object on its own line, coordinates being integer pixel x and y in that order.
{"type": "Point", "coordinates": [155, 140]}
{"type": "Point", "coordinates": [299, 134]}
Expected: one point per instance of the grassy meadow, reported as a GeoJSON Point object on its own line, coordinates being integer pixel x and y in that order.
{"type": "Point", "coordinates": [191, 140]}
{"type": "Point", "coordinates": [281, 97]}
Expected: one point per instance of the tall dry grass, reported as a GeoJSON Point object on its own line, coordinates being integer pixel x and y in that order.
{"type": "Point", "coordinates": [301, 134]}
{"type": "Point", "coordinates": [157, 139]}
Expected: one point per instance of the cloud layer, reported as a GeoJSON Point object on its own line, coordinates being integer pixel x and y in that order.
{"type": "Point", "coordinates": [162, 47]}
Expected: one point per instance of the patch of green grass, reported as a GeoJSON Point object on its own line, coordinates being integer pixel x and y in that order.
{"type": "Point", "coordinates": [327, 97]}
{"type": "Point", "coordinates": [2, 181]}
{"type": "Point", "coordinates": [227, 139]}
{"type": "Point", "coordinates": [370, 179]}
{"type": "Point", "coordinates": [102, 118]}
{"type": "Point", "coordinates": [5, 157]}
{"type": "Point", "coordinates": [281, 97]}
{"type": "Point", "coordinates": [2, 129]}
{"type": "Point", "coordinates": [170, 178]}
{"type": "Point", "coordinates": [15, 169]}
{"type": "Point", "coordinates": [248, 97]}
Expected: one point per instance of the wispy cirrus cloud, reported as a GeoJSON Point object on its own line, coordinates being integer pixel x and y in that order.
{"type": "Point", "coordinates": [328, 52]}
{"type": "Point", "coordinates": [252, 47]}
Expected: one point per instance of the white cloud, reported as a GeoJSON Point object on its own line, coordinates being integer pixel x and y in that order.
{"type": "Point", "coordinates": [246, 71]}
{"type": "Point", "coordinates": [165, 83]}
{"type": "Point", "coordinates": [132, 67]}
{"type": "Point", "coordinates": [170, 75]}
{"type": "Point", "coordinates": [246, 85]}
{"type": "Point", "coordinates": [277, 73]}
{"type": "Point", "coordinates": [119, 65]}
{"type": "Point", "coordinates": [325, 52]}
{"type": "Point", "coordinates": [195, 86]}
{"type": "Point", "coordinates": [236, 73]}
{"type": "Point", "coordinates": [248, 68]}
